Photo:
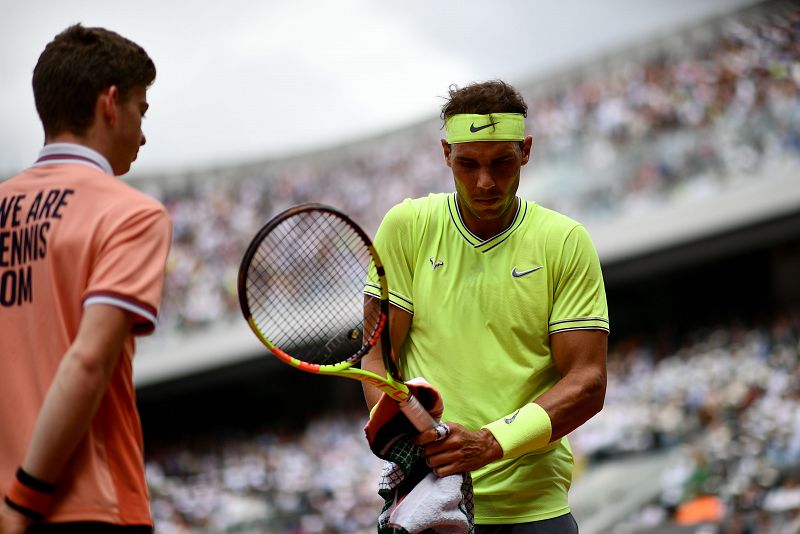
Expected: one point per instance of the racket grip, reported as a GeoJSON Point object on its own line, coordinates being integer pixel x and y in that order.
{"type": "Point", "coordinates": [417, 414]}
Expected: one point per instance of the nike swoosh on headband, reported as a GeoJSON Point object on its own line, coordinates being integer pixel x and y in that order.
{"type": "Point", "coordinates": [517, 274]}
{"type": "Point", "coordinates": [473, 128]}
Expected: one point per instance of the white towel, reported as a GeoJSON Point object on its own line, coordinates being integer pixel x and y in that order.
{"type": "Point", "coordinates": [415, 499]}
{"type": "Point", "coordinates": [434, 503]}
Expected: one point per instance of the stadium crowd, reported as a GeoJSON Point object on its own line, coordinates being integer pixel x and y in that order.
{"type": "Point", "coordinates": [694, 114]}
{"type": "Point", "coordinates": [706, 108]}
{"type": "Point", "coordinates": [728, 400]}
{"type": "Point", "coordinates": [323, 481]}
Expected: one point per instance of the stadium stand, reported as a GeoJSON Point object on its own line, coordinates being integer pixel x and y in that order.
{"type": "Point", "coordinates": [725, 406]}
{"type": "Point", "coordinates": [682, 158]}
{"type": "Point", "coordinates": [688, 117]}
{"type": "Point", "coordinates": [729, 403]}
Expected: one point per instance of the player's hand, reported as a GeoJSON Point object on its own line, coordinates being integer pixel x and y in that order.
{"type": "Point", "coordinates": [461, 451]}
{"type": "Point", "coordinates": [12, 522]}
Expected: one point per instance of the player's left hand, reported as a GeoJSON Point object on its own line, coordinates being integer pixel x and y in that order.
{"type": "Point", "coordinates": [12, 522]}
{"type": "Point", "coordinates": [461, 451]}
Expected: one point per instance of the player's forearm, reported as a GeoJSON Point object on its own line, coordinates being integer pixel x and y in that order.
{"type": "Point", "coordinates": [68, 409]}
{"type": "Point", "coordinates": [575, 399]}
{"type": "Point", "coordinates": [372, 362]}
{"type": "Point", "coordinates": [580, 357]}
{"type": "Point", "coordinates": [532, 427]}
{"type": "Point", "coordinates": [79, 384]}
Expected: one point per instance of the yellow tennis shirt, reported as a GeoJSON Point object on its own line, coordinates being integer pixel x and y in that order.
{"type": "Point", "coordinates": [483, 311]}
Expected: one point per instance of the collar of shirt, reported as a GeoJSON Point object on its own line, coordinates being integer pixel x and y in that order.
{"type": "Point", "coordinates": [55, 153]}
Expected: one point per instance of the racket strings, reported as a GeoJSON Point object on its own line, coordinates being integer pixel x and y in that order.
{"type": "Point", "coordinates": [305, 288]}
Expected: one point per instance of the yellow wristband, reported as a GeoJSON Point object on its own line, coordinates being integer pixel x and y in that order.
{"type": "Point", "coordinates": [526, 430]}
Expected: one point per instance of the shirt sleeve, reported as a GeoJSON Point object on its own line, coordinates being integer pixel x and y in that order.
{"type": "Point", "coordinates": [393, 243]}
{"type": "Point", "coordinates": [128, 271]}
{"type": "Point", "coordinates": [579, 301]}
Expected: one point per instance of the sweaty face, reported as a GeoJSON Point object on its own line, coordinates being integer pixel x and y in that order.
{"type": "Point", "coordinates": [486, 176]}
{"type": "Point", "coordinates": [128, 129]}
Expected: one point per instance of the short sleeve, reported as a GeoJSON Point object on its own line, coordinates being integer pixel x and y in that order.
{"type": "Point", "coordinates": [393, 242]}
{"type": "Point", "coordinates": [128, 271]}
{"type": "Point", "coordinates": [579, 300]}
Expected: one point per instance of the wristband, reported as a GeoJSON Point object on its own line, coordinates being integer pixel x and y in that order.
{"type": "Point", "coordinates": [526, 430]}
{"type": "Point", "coordinates": [30, 496]}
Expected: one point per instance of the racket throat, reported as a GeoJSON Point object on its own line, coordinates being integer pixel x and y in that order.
{"type": "Point", "coordinates": [397, 391]}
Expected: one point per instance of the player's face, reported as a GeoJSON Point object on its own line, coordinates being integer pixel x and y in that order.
{"type": "Point", "coordinates": [128, 132]}
{"type": "Point", "coordinates": [486, 175]}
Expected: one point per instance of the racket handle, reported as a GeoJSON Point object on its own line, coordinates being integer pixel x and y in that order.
{"type": "Point", "coordinates": [417, 414]}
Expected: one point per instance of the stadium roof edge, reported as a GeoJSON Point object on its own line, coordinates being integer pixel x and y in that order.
{"type": "Point", "coordinates": [752, 201]}
{"type": "Point", "coordinates": [168, 357]}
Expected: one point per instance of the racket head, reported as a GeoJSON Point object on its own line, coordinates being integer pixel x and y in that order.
{"type": "Point", "coordinates": [301, 288]}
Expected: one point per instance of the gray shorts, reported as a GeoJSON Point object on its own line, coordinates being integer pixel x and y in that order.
{"type": "Point", "coordinates": [564, 524]}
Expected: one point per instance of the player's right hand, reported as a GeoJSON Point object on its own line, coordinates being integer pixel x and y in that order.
{"type": "Point", "coordinates": [12, 522]}
{"type": "Point", "coordinates": [461, 451]}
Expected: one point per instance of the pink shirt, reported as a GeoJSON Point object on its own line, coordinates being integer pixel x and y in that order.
{"type": "Point", "coordinates": [72, 235]}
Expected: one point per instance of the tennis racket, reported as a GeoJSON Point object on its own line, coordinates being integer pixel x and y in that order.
{"type": "Point", "coordinates": [302, 286]}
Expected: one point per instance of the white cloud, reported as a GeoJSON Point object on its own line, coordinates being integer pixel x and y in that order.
{"type": "Point", "coordinates": [242, 80]}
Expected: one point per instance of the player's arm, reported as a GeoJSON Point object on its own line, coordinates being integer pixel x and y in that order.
{"type": "Point", "coordinates": [580, 357]}
{"type": "Point", "coordinates": [75, 393]}
{"type": "Point", "coordinates": [578, 346]}
{"type": "Point", "coordinates": [399, 326]}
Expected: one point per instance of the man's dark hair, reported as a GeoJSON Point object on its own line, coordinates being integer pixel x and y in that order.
{"type": "Point", "coordinates": [79, 64]}
{"type": "Point", "coordinates": [484, 98]}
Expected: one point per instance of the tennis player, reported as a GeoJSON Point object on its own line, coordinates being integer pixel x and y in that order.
{"type": "Point", "coordinates": [499, 303]}
{"type": "Point", "coordinates": [82, 259]}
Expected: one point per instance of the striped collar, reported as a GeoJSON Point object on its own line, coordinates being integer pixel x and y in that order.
{"type": "Point", "coordinates": [484, 245]}
{"type": "Point", "coordinates": [59, 153]}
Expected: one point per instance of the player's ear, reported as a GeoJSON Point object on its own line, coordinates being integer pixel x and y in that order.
{"type": "Point", "coordinates": [106, 105]}
{"type": "Point", "coordinates": [447, 148]}
{"type": "Point", "coordinates": [527, 144]}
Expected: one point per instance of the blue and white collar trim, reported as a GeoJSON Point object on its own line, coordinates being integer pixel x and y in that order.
{"type": "Point", "coordinates": [59, 153]}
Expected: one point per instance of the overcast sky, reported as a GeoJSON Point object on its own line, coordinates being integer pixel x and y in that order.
{"type": "Point", "coordinates": [241, 81]}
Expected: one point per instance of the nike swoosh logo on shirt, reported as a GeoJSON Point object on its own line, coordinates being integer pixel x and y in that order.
{"type": "Point", "coordinates": [518, 274]}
